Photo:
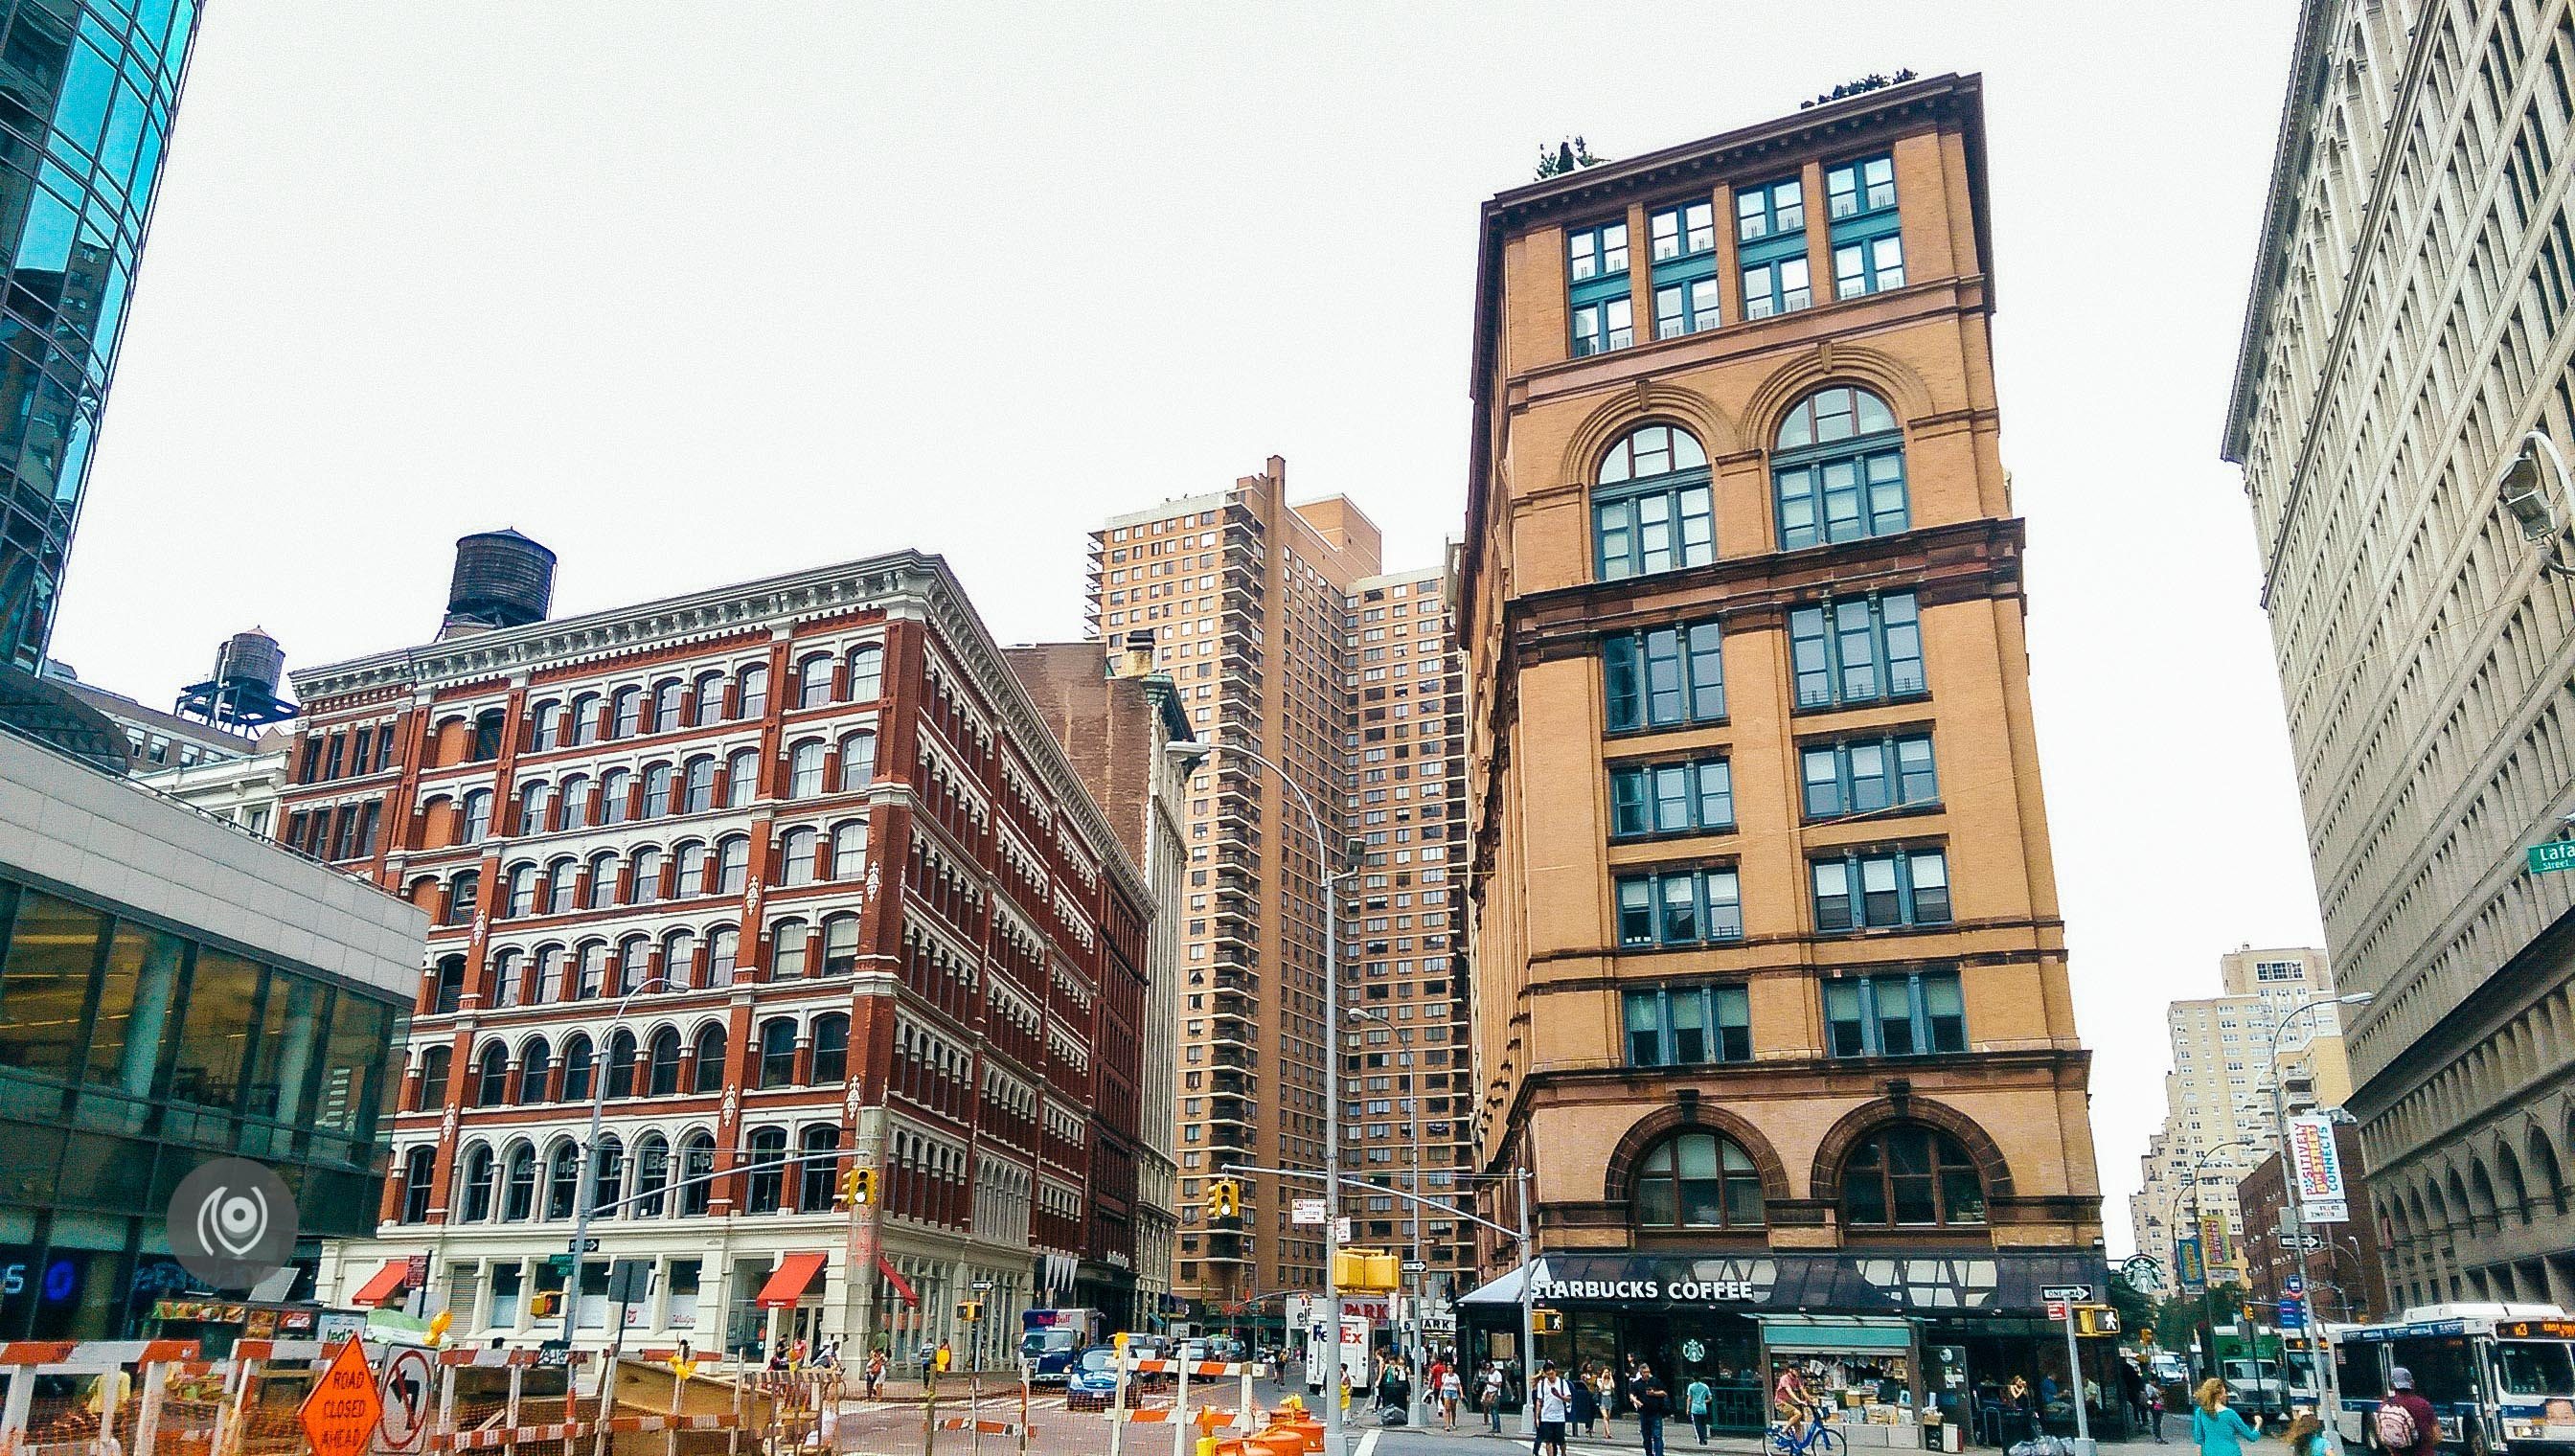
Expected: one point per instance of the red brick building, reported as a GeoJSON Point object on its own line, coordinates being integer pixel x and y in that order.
{"type": "Point", "coordinates": [813, 837]}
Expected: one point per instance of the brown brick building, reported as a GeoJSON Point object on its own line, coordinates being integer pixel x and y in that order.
{"type": "Point", "coordinates": [1770, 984]}
{"type": "Point", "coordinates": [813, 835]}
{"type": "Point", "coordinates": [2345, 1280]}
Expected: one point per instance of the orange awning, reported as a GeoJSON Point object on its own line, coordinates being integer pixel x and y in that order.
{"type": "Point", "coordinates": [385, 1281]}
{"type": "Point", "coordinates": [787, 1281]}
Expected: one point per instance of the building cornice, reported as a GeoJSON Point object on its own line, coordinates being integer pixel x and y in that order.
{"type": "Point", "coordinates": [2289, 153]}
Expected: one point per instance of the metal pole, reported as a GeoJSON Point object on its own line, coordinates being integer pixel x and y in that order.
{"type": "Point", "coordinates": [2329, 1387]}
{"type": "Point", "coordinates": [2074, 1382]}
{"type": "Point", "coordinates": [584, 1193]}
{"type": "Point", "coordinates": [1529, 1312]}
{"type": "Point", "coordinates": [1421, 1275]}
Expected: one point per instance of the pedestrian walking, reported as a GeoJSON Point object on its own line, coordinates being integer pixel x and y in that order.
{"type": "Point", "coordinates": [1452, 1391]}
{"type": "Point", "coordinates": [1554, 1401]}
{"type": "Point", "coordinates": [2155, 1410]}
{"type": "Point", "coordinates": [2418, 1432]}
{"type": "Point", "coordinates": [1652, 1403]}
{"type": "Point", "coordinates": [2215, 1425]}
{"type": "Point", "coordinates": [1582, 1407]}
{"type": "Point", "coordinates": [1702, 1402]}
{"type": "Point", "coordinates": [1492, 1397]}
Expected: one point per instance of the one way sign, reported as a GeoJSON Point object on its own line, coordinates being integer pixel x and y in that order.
{"type": "Point", "coordinates": [2067, 1294]}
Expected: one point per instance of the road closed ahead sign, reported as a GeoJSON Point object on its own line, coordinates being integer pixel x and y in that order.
{"type": "Point", "coordinates": [340, 1416]}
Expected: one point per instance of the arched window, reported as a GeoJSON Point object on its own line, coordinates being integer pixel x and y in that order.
{"type": "Point", "coordinates": [630, 711]}
{"type": "Point", "coordinates": [1839, 469]}
{"type": "Point", "coordinates": [787, 951]}
{"type": "Point", "coordinates": [850, 849]}
{"type": "Point", "coordinates": [562, 886]}
{"type": "Point", "coordinates": [523, 890]}
{"type": "Point", "coordinates": [858, 761]}
{"type": "Point", "coordinates": [582, 719]}
{"type": "Point", "coordinates": [1650, 507]}
{"type": "Point", "coordinates": [776, 1053]}
{"type": "Point", "coordinates": [546, 980]}
{"type": "Point", "coordinates": [486, 734]}
{"type": "Point", "coordinates": [839, 945]}
{"type": "Point", "coordinates": [814, 1175]}
{"type": "Point", "coordinates": [492, 1076]}
{"type": "Point", "coordinates": [867, 673]}
{"type": "Point", "coordinates": [536, 1066]}
{"type": "Point", "coordinates": [519, 1195]}
{"type": "Point", "coordinates": [710, 1068]}
{"type": "Point", "coordinates": [476, 1184]}
{"type": "Point", "coordinates": [702, 783]}
{"type": "Point", "coordinates": [805, 769]}
{"type": "Point", "coordinates": [652, 1175]}
{"type": "Point", "coordinates": [615, 795]}
{"type": "Point", "coordinates": [648, 878]}
{"type": "Point", "coordinates": [733, 863]}
{"type": "Point", "coordinates": [814, 679]}
{"type": "Point", "coordinates": [680, 958]}
{"type": "Point", "coordinates": [1699, 1180]}
{"type": "Point", "coordinates": [547, 717]}
{"type": "Point", "coordinates": [536, 806]}
{"type": "Point", "coordinates": [602, 880]}
{"type": "Point", "coordinates": [577, 1068]}
{"type": "Point", "coordinates": [710, 693]}
{"type": "Point", "coordinates": [742, 776]}
{"type": "Point", "coordinates": [755, 691]}
{"type": "Point", "coordinates": [1911, 1177]}
{"type": "Point", "coordinates": [418, 1165]}
{"type": "Point", "coordinates": [723, 947]}
{"type": "Point", "coordinates": [667, 697]}
{"type": "Point", "coordinates": [831, 1048]}
{"type": "Point", "coordinates": [478, 815]}
{"type": "Point", "coordinates": [461, 893]}
{"type": "Point", "coordinates": [563, 1180]}
{"type": "Point", "coordinates": [574, 811]}
{"type": "Point", "coordinates": [633, 964]}
{"type": "Point", "coordinates": [659, 778]}
{"type": "Point", "coordinates": [796, 854]}
{"type": "Point", "coordinates": [696, 1163]}
{"type": "Point", "coordinates": [621, 1063]}
{"type": "Point", "coordinates": [446, 990]}
{"type": "Point", "coordinates": [768, 1183]}
{"type": "Point", "coordinates": [664, 1080]}
{"type": "Point", "coordinates": [429, 1090]}
{"type": "Point", "coordinates": [608, 1176]}
{"type": "Point", "coordinates": [688, 876]}
{"type": "Point", "coordinates": [509, 978]}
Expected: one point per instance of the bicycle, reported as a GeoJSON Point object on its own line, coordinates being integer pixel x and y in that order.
{"type": "Point", "coordinates": [1819, 1439]}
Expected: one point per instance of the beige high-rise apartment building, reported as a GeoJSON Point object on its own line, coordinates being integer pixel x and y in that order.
{"type": "Point", "coordinates": [1281, 632]}
{"type": "Point", "coordinates": [2220, 1115]}
{"type": "Point", "coordinates": [2406, 335]}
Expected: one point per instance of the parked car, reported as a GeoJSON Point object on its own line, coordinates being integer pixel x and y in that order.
{"type": "Point", "coordinates": [1092, 1382]}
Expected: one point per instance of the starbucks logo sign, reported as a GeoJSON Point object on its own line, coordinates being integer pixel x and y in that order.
{"type": "Point", "coordinates": [1694, 1351]}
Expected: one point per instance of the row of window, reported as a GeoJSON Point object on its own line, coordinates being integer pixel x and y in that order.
{"type": "Point", "coordinates": [1843, 779]}
{"type": "Point", "coordinates": [666, 1181]}
{"type": "Point", "coordinates": [1904, 1176]}
{"type": "Point", "coordinates": [669, 1067]}
{"type": "Point", "coordinates": [1671, 907]}
{"type": "Point", "coordinates": [698, 786]}
{"type": "Point", "coordinates": [1770, 235]}
{"type": "Point", "coordinates": [1852, 650]}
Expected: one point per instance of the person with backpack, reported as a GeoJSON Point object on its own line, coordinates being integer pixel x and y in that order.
{"type": "Point", "coordinates": [2215, 1425]}
{"type": "Point", "coordinates": [2406, 1425]}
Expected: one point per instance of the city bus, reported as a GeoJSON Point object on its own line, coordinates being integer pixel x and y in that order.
{"type": "Point", "coordinates": [2500, 1377]}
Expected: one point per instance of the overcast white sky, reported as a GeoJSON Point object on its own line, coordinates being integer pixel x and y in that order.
{"type": "Point", "coordinates": [698, 292]}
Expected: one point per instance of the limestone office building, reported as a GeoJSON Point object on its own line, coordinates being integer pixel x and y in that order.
{"type": "Point", "coordinates": [1771, 985]}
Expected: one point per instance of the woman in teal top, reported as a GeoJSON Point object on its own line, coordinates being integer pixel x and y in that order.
{"type": "Point", "coordinates": [2215, 1425]}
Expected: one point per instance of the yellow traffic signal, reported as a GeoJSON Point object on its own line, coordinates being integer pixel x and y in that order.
{"type": "Point", "coordinates": [545, 1305]}
{"type": "Point", "coordinates": [970, 1311]}
{"type": "Point", "coordinates": [858, 1187]}
{"type": "Point", "coordinates": [1223, 1200]}
{"type": "Point", "coordinates": [1366, 1271]}
{"type": "Point", "coordinates": [1546, 1322]}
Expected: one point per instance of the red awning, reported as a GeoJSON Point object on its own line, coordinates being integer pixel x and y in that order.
{"type": "Point", "coordinates": [385, 1281]}
{"type": "Point", "coordinates": [787, 1281]}
{"type": "Point", "coordinates": [901, 1285]}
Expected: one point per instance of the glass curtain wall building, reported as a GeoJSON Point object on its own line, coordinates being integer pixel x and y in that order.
{"type": "Point", "coordinates": [87, 90]}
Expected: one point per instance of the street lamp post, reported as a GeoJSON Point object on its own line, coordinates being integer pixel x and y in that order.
{"type": "Point", "coordinates": [1190, 752]}
{"type": "Point", "coordinates": [2207, 1271]}
{"type": "Point", "coordinates": [1422, 1280]}
{"type": "Point", "coordinates": [586, 1192]}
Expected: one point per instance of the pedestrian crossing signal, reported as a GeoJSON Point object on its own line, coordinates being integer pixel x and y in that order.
{"type": "Point", "coordinates": [1546, 1322]}
{"type": "Point", "coordinates": [545, 1305]}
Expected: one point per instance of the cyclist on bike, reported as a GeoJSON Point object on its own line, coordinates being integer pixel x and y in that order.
{"type": "Point", "coordinates": [1797, 1408]}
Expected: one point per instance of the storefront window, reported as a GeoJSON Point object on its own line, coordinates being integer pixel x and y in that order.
{"type": "Point", "coordinates": [52, 947]}
{"type": "Point", "coordinates": [1699, 1180]}
{"type": "Point", "coordinates": [1911, 1178]}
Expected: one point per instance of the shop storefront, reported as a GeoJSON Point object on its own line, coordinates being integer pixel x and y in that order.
{"type": "Point", "coordinates": [1893, 1341]}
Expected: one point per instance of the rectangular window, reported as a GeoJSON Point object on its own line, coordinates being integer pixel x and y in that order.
{"type": "Point", "coordinates": [1665, 677]}
{"type": "Point", "coordinates": [1685, 231]}
{"type": "Point", "coordinates": [1779, 287]}
{"type": "Point", "coordinates": [1678, 906]}
{"type": "Point", "coordinates": [1769, 210]}
{"type": "Point", "coordinates": [1857, 650]}
{"type": "Point", "coordinates": [1667, 526]}
{"type": "Point", "coordinates": [1685, 306]}
{"type": "Point", "coordinates": [1866, 775]}
{"type": "Point", "coordinates": [1895, 1016]}
{"type": "Point", "coordinates": [1597, 289]}
{"type": "Point", "coordinates": [1670, 799]}
{"type": "Point", "coordinates": [1685, 266]}
{"type": "Point", "coordinates": [1895, 887]}
{"type": "Point", "coordinates": [1689, 1026]}
{"type": "Point", "coordinates": [1867, 239]}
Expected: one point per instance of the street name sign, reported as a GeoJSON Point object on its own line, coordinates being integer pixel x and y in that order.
{"type": "Point", "coordinates": [2555, 855]}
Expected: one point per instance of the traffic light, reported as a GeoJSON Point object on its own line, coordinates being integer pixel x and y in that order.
{"type": "Point", "coordinates": [545, 1305]}
{"type": "Point", "coordinates": [1546, 1322]}
{"type": "Point", "coordinates": [858, 1187]}
{"type": "Point", "coordinates": [1364, 1272]}
{"type": "Point", "coordinates": [970, 1311]}
{"type": "Point", "coordinates": [2096, 1319]}
{"type": "Point", "coordinates": [1223, 1200]}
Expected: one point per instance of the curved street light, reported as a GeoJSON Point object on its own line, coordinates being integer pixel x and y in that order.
{"type": "Point", "coordinates": [586, 1192]}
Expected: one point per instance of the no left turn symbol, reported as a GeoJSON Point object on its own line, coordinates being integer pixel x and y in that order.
{"type": "Point", "coordinates": [409, 1389]}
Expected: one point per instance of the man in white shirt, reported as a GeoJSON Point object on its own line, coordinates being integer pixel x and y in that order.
{"type": "Point", "coordinates": [1554, 1401]}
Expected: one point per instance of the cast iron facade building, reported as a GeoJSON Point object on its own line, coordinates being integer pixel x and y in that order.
{"type": "Point", "coordinates": [1771, 986]}
{"type": "Point", "coordinates": [2407, 329]}
{"type": "Point", "coordinates": [87, 91]}
{"type": "Point", "coordinates": [813, 837]}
